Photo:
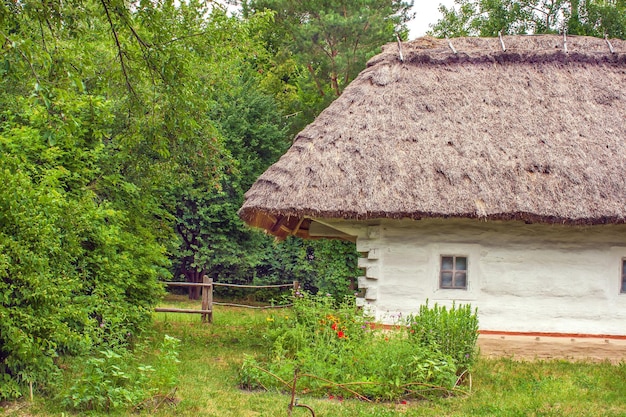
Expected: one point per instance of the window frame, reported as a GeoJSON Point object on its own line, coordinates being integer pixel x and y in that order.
{"type": "Point", "coordinates": [454, 272]}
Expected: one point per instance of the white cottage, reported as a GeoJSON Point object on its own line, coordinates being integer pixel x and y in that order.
{"type": "Point", "coordinates": [482, 171]}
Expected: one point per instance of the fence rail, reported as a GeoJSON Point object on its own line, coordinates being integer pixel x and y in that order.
{"type": "Point", "coordinates": [207, 286]}
{"type": "Point", "coordinates": [248, 306]}
{"type": "Point", "coordinates": [221, 284]}
{"type": "Point", "coordinates": [187, 284]}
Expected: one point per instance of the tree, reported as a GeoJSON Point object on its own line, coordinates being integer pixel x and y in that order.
{"type": "Point", "coordinates": [598, 18]}
{"type": "Point", "coordinates": [103, 115]}
{"type": "Point", "coordinates": [315, 50]}
{"type": "Point", "coordinates": [489, 17]}
{"type": "Point", "coordinates": [213, 239]}
{"type": "Point", "coordinates": [74, 271]}
{"type": "Point", "coordinates": [254, 132]}
{"type": "Point", "coordinates": [329, 42]}
{"type": "Point", "coordinates": [327, 266]}
{"type": "Point", "coordinates": [215, 242]}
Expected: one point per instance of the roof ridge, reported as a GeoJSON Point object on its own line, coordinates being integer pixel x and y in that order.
{"type": "Point", "coordinates": [519, 48]}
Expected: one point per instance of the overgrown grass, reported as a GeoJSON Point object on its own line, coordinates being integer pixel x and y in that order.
{"type": "Point", "coordinates": [332, 349]}
{"type": "Point", "coordinates": [211, 356]}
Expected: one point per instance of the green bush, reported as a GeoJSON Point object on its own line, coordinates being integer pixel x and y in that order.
{"type": "Point", "coordinates": [335, 349]}
{"type": "Point", "coordinates": [115, 379]}
{"type": "Point", "coordinates": [76, 271]}
{"type": "Point", "coordinates": [452, 331]}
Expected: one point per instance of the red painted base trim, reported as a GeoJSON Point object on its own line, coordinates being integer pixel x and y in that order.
{"type": "Point", "coordinates": [528, 334]}
{"type": "Point", "coordinates": [546, 334]}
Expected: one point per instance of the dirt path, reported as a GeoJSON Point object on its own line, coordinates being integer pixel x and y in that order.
{"type": "Point", "coordinates": [542, 348]}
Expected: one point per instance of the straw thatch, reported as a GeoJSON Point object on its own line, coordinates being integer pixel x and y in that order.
{"type": "Point", "coordinates": [532, 133]}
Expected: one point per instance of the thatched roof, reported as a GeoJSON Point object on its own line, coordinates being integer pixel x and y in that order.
{"type": "Point", "coordinates": [533, 133]}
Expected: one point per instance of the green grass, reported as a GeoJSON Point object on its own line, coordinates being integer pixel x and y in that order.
{"type": "Point", "coordinates": [211, 355]}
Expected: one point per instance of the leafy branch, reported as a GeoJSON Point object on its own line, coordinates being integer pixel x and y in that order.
{"type": "Point", "coordinates": [120, 52]}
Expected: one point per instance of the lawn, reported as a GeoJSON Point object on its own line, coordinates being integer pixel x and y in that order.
{"type": "Point", "coordinates": [212, 354]}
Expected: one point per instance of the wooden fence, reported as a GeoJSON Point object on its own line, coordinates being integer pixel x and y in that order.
{"type": "Point", "coordinates": [207, 286]}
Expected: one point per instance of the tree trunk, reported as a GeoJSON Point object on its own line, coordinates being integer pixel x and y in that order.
{"type": "Point", "coordinates": [335, 84]}
{"type": "Point", "coordinates": [195, 277]}
{"type": "Point", "coordinates": [320, 89]}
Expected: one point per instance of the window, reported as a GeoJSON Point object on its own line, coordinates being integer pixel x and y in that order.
{"type": "Point", "coordinates": [623, 287]}
{"type": "Point", "coordinates": [454, 273]}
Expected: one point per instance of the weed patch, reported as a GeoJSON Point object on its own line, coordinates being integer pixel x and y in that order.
{"type": "Point", "coordinates": [115, 379]}
{"type": "Point", "coordinates": [333, 349]}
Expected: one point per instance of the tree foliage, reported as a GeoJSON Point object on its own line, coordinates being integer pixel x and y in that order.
{"type": "Point", "coordinates": [75, 272]}
{"type": "Point", "coordinates": [326, 266]}
{"type": "Point", "coordinates": [489, 17]}
{"type": "Point", "coordinates": [214, 240]}
{"type": "Point", "coordinates": [320, 46]}
{"type": "Point", "coordinates": [249, 116]}
{"type": "Point", "coordinates": [103, 119]}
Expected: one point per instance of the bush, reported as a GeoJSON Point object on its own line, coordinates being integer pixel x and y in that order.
{"type": "Point", "coordinates": [115, 379]}
{"type": "Point", "coordinates": [334, 349]}
{"type": "Point", "coordinates": [75, 271]}
{"type": "Point", "coordinates": [325, 265]}
{"type": "Point", "coordinates": [452, 331]}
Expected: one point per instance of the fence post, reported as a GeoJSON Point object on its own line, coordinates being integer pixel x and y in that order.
{"type": "Point", "coordinates": [207, 300]}
{"type": "Point", "coordinates": [296, 287]}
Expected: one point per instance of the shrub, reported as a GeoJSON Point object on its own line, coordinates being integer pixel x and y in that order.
{"type": "Point", "coordinates": [452, 331]}
{"type": "Point", "coordinates": [325, 265]}
{"type": "Point", "coordinates": [115, 379]}
{"type": "Point", "coordinates": [334, 349]}
{"type": "Point", "coordinates": [75, 272]}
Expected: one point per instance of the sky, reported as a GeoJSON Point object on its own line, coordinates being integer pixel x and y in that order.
{"type": "Point", "coordinates": [426, 12]}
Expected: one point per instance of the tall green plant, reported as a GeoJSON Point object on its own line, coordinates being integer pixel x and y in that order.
{"type": "Point", "coordinates": [453, 331]}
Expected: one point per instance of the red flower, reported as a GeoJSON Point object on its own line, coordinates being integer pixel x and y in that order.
{"type": "Point", "coordinates": [334, 326]}
{"type": "Point", "coordinates": [340, 334]}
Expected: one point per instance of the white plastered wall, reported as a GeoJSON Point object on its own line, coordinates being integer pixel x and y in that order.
{"type": "Point", "coordinates": [523, 278]}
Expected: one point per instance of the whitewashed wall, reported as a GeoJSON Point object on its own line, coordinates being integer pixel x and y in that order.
{"type": "Point", "coordinates": [522, 278]}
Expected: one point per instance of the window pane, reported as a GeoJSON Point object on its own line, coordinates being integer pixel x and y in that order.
{"type": "Point", "coordinates": [623, 267]}
{"type": "Point", "coordinates": [461, 263]}
{"type": "Point", "coordinates": [446, 263]}
{"type": "Point", "coordinates": [624, 283]}
{"type": "Point", "coordinates": [446, 279]}
{"type": "Point", "coordinates": [460, 280]}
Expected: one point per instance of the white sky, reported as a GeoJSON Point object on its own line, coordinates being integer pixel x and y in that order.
{"type": "Point", "coordinates": [426, 12]}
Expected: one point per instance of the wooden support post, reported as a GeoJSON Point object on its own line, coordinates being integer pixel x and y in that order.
{"type": "Point", "coordinates": [207, 300]}
{"type": "Point", "coordinates": [296, 287]}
